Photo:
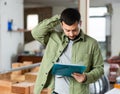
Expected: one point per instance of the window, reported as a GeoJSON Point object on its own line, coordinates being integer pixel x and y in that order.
{"type": "Point", "coordinates": [32, 21]}
{"type": "Point", "coordinates": [97, 23]}
{"type": "Point", "coordinates": [97, 27]}
{"type": "Point", "coordinates": [97, 11]}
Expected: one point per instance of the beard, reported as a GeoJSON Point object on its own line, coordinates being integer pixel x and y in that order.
{"type": "Point", "coordinates": [74, 38]}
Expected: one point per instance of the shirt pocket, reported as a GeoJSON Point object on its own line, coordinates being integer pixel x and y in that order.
{"type": "Point", "coordinates": [86, 60]}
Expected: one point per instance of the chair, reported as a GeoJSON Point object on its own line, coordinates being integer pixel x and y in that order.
{"type": "Point", "coordinates": [100, 86]}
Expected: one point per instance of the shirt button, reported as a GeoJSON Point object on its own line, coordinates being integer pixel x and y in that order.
{"type": "Point", "coordinates": [42, 84]}
{"type": "Point", "coordinates": [46, 73]}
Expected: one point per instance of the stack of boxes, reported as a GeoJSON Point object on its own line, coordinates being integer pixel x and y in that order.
{"type": "Point", "coordinates": [21, 81]}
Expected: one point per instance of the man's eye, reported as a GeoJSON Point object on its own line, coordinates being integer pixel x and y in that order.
{"type": "Point", "coordinates": [74, 30]}
{"type": "Point", "coordinates": [68, 30]}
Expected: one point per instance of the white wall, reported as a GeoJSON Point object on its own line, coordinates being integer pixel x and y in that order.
{"type": "Point", "coordinates": [10, 41]}
{"type": "Point", "coordinates": [115, 29]}
{"type": "Point", "coordinates": [58, 10]}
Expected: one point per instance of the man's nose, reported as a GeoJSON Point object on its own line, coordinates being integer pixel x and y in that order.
{"type": "Point", "coordinates": [71, 33]}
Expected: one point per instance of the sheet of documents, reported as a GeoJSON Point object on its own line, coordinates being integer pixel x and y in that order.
{"type": "Point", "coordinates": [113, 91]}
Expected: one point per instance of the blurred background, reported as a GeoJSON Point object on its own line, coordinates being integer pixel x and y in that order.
{"type": "Point", "coordinates": [100, 20]}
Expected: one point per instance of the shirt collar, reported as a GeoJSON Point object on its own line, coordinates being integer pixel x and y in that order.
{"type": "Point", "coordinates": [81, 37]}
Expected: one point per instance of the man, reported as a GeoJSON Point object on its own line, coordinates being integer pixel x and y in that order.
{"type": "Point", "coordinates": [70, 45]}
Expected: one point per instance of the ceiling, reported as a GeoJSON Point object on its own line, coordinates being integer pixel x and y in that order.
{"type": "Point", "coordinates": [67, 3]}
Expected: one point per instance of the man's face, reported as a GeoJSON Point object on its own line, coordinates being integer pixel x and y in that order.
{"type": "Point", "coordinates": [71, 31]}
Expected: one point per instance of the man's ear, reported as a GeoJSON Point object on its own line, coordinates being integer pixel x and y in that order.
{"type": "Point", "coordinates": [80, 23]}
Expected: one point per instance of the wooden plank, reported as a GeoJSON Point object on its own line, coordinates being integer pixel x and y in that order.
{"type": "Point", "coordinates": [26, 63]}
{"type": "Point", "coordinates": [17, 78]}
{"type": "Point", "coordinates": [16, 65]}
{"type": "Point", "coordinates": [31, 76]}
{"type": "Point", "coordinates": [5, 87]}
{"type": "Point", "coordinates": [23, 88]}
{"type": "Point", "coordinates": [5, 76]}
{"type": "Point", "coordinates": [35, 69]}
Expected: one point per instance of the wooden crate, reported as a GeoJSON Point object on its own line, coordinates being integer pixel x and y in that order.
{"type": "Point", "coordinates": [26, 63]}
{"type": "Point", "coordinates": [5, 87]}
{"type": "Point", "coordinates": [35, 69]}
{"type": "Point", "coordinates": [17, 65]}
{"type": "Point", "coordinates": [5, 76]}
{"type": "Point", "coordinates": [17, 78]}
{"type": "Point", "coordinates": [23, 88]}
{"type": "Point", "coordinates": [31, 76]}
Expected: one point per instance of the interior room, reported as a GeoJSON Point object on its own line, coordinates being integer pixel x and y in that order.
{"type": "Point", "coordinates": [21, 54]}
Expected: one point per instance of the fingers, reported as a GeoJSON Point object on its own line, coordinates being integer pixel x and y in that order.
{"type": "Point", "coordinates": [79, 77]}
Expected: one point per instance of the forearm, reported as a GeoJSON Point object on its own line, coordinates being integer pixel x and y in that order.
{"type": "Point", "coordinates": [94, 75]}
{"type": "Point", "coordinates": [43, 30]}
{"type": "Point", "coordinates": [97, 68]}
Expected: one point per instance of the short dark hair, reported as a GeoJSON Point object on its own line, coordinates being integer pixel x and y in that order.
{"type": "Point", "coordinates": [70, 16]}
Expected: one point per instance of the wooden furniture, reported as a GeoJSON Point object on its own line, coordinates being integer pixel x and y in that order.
{"type": "Point", "coordinates": [114, 66]}
{"type": "Point", "coordinates": [113, 72]}
{"type": "Point", "coordinates": [34, 59]}
{"type": "Point", "coordinates": [114, 60]}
